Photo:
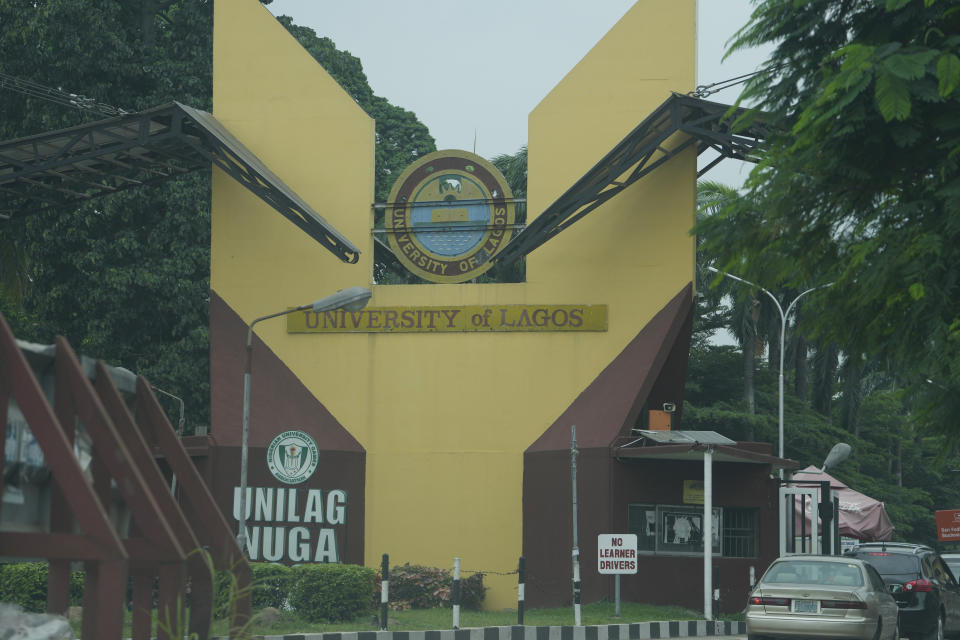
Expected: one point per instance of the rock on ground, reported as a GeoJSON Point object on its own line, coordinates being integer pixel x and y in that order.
{"type": "Point", "coordinates": [17, 624]}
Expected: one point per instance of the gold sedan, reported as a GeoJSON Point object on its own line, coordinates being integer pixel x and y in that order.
{"type": "Point", "coordinates": [821, 597]}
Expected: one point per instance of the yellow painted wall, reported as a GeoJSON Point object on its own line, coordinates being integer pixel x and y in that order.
{"type": "Point", "coordinates": [445, 418]}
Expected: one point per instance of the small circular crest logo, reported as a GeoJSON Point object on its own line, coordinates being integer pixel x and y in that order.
{"type": "Point", "coordinates": [449, 213]}
{"type": "Point", "coordinates": [292, 457]}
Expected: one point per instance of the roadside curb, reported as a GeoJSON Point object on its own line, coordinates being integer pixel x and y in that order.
{"type": "Point", "coordinates": [635, 631]}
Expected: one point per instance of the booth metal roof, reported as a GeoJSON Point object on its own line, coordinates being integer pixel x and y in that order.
{"type": "Point", "coordinates": [70, 166]}
{"type": "Point", "coordinates": [691, 445]}
{"type": "Point", "coordinates": [700, 123]}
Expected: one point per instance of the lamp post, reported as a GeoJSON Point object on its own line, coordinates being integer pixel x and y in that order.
{"type": "Point", "coordinates": [783, 331]}
{"type": "Point", "coordinates": [352, 299]}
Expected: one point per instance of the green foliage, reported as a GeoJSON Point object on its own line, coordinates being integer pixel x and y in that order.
{"type": "Point", "coordinates": [859, 183]}
{"type": "Point", "coordinates": [414, 586]}
{"type": "Point", "coordinates": [271, 584]}
{"type": "Point", "coordinates": [331, 592]}
{"type": "Point", "coordinates": [25, 584]}
{"type": "Point", "coordinates": [126, 277]}
{"type": "Point", "coordinates": [891, 461]}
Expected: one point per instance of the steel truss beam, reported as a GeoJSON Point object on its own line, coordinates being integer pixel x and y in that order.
{"type": "Point", "coordinates": [677, 124]}
{"type": "Point", "coordinates": [67, 167]}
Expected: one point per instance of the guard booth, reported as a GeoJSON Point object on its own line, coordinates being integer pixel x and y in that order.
{"type": "Point", "coordinates": [659, 485]}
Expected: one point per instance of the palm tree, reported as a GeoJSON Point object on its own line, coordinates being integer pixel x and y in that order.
{"type": "Point", "coordinates": [746, 312]}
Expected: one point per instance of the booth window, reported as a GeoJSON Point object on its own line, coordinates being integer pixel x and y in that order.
{"type": "Point", "coordinates": [740, 533]}
{"type": "Point", "coordinates": [677, 529]}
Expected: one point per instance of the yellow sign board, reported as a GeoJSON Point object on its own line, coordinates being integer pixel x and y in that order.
{"type": "Point", "coordinates": [475, 318]}
{"type": "Point", "coordinates": [693, 492]}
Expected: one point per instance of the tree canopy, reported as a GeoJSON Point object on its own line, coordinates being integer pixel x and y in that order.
{"type": "Point", "coordinates": [126, 277]}
{"type": "Point", "coordinates": [858, 184]}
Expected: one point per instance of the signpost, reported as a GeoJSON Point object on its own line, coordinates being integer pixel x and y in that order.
{"type": "Point", "coordinates": [948, 525]}
{"type": "Point", "coordinates": [617, 555]}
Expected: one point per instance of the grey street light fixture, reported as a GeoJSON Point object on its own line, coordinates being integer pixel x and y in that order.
{"type": "Point", "coordinates": [352, 299]}
{"type": "Point", "coordinates": [783, 331]}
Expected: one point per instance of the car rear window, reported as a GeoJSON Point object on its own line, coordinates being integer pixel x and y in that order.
{"type": "Point", "coordinates": [890, 563]}
{"type": "Point", "coordinates": [813, 572]}
{"type": "Point", "coordinates": [954, 564]}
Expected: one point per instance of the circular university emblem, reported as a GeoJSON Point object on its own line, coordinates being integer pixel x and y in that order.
{"type": "Point", "coordinates": [292, 457]}
{"type": "Point", "coordinates": [448, 214]}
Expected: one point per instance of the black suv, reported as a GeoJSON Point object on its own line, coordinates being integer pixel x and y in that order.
{"type": "Point", "coordinates": [922, 584]}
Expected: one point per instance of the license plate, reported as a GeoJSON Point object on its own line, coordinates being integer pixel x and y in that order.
{"type": "Point", "coordinates": [805, 606]}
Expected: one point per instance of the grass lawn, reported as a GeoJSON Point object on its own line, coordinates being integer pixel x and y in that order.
{"type": "Point", "coordinates": [438, 619]}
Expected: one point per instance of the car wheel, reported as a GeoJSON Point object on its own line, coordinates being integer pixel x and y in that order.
{"type": "Point", "coordinates": [896, 631]}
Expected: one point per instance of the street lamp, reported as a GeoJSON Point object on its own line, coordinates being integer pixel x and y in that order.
{"type": "Point", "coordinates": [783, 331]}
{"type": "Point", "coordinates": [352, 299]}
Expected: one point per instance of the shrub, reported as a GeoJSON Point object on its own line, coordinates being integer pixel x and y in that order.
{"type": "Point", "coordinates": [414, 586]}
{"type": "Point", "coordinates": [331, 592]}
{"type": "Point", "coordinates": [271, 584]}
{"type": "Point", "coordinates": [25, 584]}
{"type": "Point", "coordinates": [224, 588]}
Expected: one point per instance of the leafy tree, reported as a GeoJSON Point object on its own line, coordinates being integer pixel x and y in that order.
{"type": "Point", "coordinates": [859, 181]}
{"type": "Point", "coordinates": [126, 277]}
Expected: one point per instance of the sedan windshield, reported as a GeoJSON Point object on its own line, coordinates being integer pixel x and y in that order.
{"type": "Point", "coordinates": [813, 572]}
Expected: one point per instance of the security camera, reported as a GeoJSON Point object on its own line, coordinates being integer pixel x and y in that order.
{"type": "Point", "coordinates": [669, 407]}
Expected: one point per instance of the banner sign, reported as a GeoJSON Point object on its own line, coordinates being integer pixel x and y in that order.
{"type": "Point", "coordinates": [516, 317]}
{"type": "Point", "coordinates": [693, 492]}
{"type": "Point", "coordinates": [948, 525]}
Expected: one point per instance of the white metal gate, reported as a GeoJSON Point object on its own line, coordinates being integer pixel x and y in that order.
{"type": "Point", "coordinates": [800, 528]}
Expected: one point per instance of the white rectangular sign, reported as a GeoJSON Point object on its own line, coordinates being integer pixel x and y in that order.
{"type": "Point", "coordinates": [617, 553]}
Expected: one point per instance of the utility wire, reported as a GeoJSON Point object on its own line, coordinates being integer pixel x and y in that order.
{"type": "Point", "coordinates": [78, 101]}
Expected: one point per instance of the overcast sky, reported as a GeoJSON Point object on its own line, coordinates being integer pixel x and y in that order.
{"type": "Point", "coordinates": [431, 56]}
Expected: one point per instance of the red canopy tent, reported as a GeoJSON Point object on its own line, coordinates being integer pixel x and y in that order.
{"type": "Point", "coordinates": [861, 516]}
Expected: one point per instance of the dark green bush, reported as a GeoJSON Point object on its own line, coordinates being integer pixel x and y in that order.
{"type": "Point", "coordinates": [331, 592]}
{"type": "Point", "coordinates": [271, 584]}
{"type": "Point", "coordinates": [414, 586]}
{"type": "Point", "coordinates": [25, 584]}
{"type": "Point", "coordinates": [224, 589]}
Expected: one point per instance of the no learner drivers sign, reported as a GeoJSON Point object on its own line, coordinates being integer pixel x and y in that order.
{"type": "Point", "coordinates": [617, 553]}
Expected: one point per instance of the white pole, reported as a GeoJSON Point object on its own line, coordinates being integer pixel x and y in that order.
{"type": "Point", "coordinates": [783, 331]}
{"type": "Point", "coordinates": [456, 593]}
{"type": "Point", "coordinates": [708, 534]}
{"type": "Point", "coordinates": [576, 548]}
{"type": "Point", "coordinates": [616, 591]}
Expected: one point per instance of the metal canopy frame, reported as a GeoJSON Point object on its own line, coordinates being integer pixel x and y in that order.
{"type": "Point", "coordinates": [70, 166]}
{"type": "Point", "coordinates": [698, 122]}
